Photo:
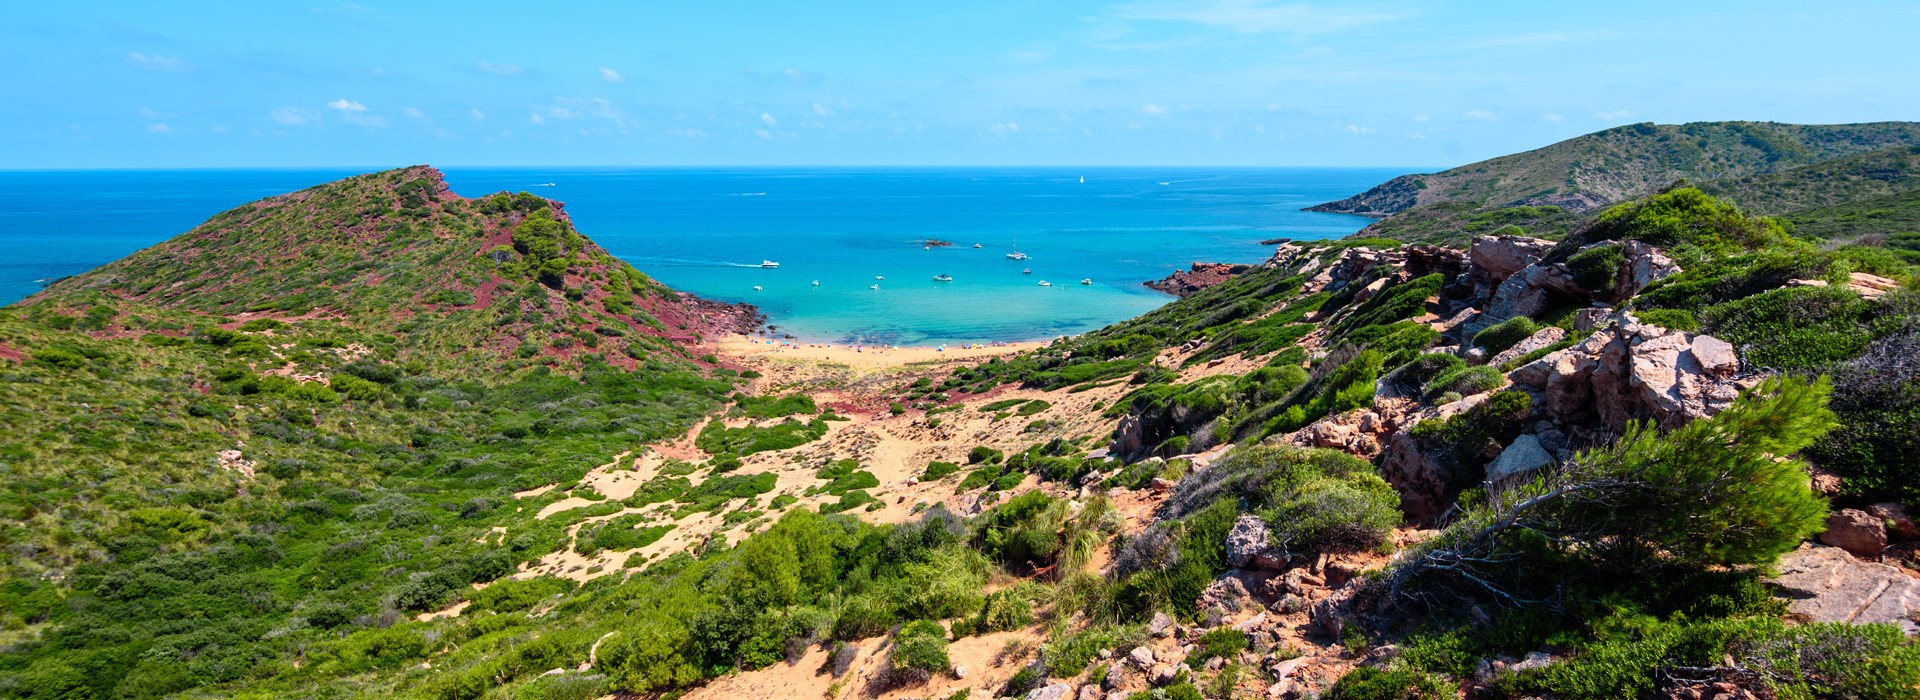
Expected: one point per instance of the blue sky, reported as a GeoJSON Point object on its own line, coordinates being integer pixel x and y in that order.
{"type": "Point", "coordinates": [986, 82]}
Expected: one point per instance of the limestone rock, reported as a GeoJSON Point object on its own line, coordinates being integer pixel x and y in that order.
{"type": "Point", "coordinates": [1495, 258]}
{"type": "Point", "coordinates": [1163, 675]}
{"type": "Point", "coordinates": [1057, 691]}
{"type": "Point", "coordinates": [1859, 532]}
{"type": "Point", "coordinates": [1542, 338]}
{"type": "Point", "coordinates": [1899, 524]}
{"type": "Point", "coordinates": [1127, 437]}
{"type": "Point", "coordinates": [1161, 625]}
{"type": "Point", "coordinates": [1225, 594]}
{"type": "Point", "coordinates": [1629, 371]}
{"type": "Point", "coordinates": [1524, 455]}
{"type": "Point", "coordinates": [1088, 692]}
{"type": "Point", "coordinates": [1870, 286]}
{"type": "Point", "coordinates": [1248, 545]}
{"type": "Point", "coordinates": [1828, 585]}
{"type": "Point", "coordinates": [1141, 658]}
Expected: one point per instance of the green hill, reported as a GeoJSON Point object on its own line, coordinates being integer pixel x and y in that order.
{"type": "Point", "coordinates": [1543, 189]}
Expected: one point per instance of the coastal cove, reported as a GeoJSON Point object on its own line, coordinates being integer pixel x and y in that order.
{"type": "Point", "coordinates": [707, 230]}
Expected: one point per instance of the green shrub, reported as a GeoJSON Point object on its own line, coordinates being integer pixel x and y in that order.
{"type": "Point", "coordinates": [512, 596]}
{"type": "Point", "coordinates": [1004, 610]}
{"type": "Point", "coordinates": [1497, 338]}
{"type": "Point", "coordinates": [1368, 683]}
{"type": "Point", "coordinates": [1221, 642]}
{"type": "Point", "coordinates": [1466, 381]}
{"type": "Point", "coordinates": [1794, 328]}
{"type": "Point", "coordinates": [1595, 268]}
{"type": "Point", "coordinates": [1671, 319]}
{"type": "Point", "coordinates": [938, 470]}
{"type": "Point", "coordinates": [920, 647]}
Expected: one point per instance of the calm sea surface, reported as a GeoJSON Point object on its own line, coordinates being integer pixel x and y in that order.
{"type": "Point", "coordinates": [707, 230]}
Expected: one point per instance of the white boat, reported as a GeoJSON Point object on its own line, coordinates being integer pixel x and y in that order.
{"type": "Point", "coordinates": [878, 277]}
{"type": "Point", "coordinates": [1016, 255]}
{"type": "Point", "coordinates": [976, 245]}
{"type": "Point", "coordinates": [873, 286]}
{"type": "Point", "coordinates": [769, 264]}
{"type": "Point", "coordinates": [1083, 179]}
{"type": "Point", "coordinates": [756, 287]}
{"type": "Point", "coordinates": [943, 278]}
{"type": "Point", "coordinates": [1045, 283]}
{"type": "Point", "coordinates": [1027, 271]}
{"type": "Point", "coordinates": [816, 283]}
{"type": "Point", "coordinates": [1087, 280]}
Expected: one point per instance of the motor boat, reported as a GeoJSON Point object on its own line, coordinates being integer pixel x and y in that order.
{"type": "Point", "coordinates": [769, 264]}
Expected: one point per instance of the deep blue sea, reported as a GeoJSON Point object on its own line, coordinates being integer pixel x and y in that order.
{"type": "Point", "coordinates": [707, 230]}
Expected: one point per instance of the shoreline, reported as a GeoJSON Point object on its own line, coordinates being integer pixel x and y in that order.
{"type": "Point", "coordinates": [860, 355]}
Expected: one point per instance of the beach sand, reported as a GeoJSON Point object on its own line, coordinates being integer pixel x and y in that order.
{"type": "Point", "coordinates": [866, 357]}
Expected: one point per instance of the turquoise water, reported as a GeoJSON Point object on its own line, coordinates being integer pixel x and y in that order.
{"type": "Point", "coordinates": [706, 231]}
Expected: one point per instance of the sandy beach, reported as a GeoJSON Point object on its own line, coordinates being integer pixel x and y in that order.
{"type": "Point", "coordinates": [866, 357]}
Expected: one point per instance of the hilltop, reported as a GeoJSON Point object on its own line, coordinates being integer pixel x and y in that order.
{"type": "Point", "coordinates": [1548, 188]}
{"type": "Point", "coordinates": [397, 251]}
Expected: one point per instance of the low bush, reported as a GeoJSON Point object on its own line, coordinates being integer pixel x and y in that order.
{"type": "Point", "coordinates": [1497, 338]}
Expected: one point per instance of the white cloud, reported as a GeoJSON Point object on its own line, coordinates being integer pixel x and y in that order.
{"type": "Point", "coordinates": [1255, 16]}
{"type": "Point", "coordinates": [1004, 128]}
{"type": "Point", "coordinates": [688, 133]}
{"type": "Point", "coordinates": [768, 119]}
{"type": "Point", "coordinates": [476, 114]}
{"type": "Point", "coordinates": [413, 112]}
{"type": "Point", "coordinates": [1553, 117]}
{"type": "Point", "coordinates": [168, 64]}
{"type": "Point", "coordinates": [1358, 130]}
{"type": "Point", "coordinates": [501, 68]}
{"type": "Point", "coordinates": [612, 76]}
{"type": "Point", "coordinates": [822, 110]}
{"type": "Point", "coordinates": [763, 134]}
{"type": "Point", "coordinates": [536, 118]}
{"type": "Point", "coordinates": [150, 113]}
{"type": "Point", "coordinates": [1478, 115]}
{"type": "Point", "coordinates": [1422, 118]}
{"type": "Point", "coordinates": [159, 129]}
{"type": "Point", "coordinates": [1614, 115]}
{"type": "Point", "coordinates": [1153, 109]}
{"type": "Point", "coordinates": [1029, 55]}
{"type": "Point", "coordinates": [1415, 135]}
{"type": "Point", "coordinates": [221, 128]}
{"type": "Point", "coordinates": [292, 116]}
{"type": "Point", "coordinates": [346, 105]}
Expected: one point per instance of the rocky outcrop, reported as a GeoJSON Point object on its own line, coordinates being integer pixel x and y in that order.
{"type": "Point", "coordinates": [1861, 533]}
{"type": "Point", "coordinates": [1828, 585]}
{"type": "Point", "coordinates": [1866, 285]}
{"type": "Point", "coordinates": [1542, 285]}
{"type": "Point", "coordinates": [1249, 546]}
{"type": "Point", "coordinates": [1628, 371]}
{"type": "Point", "coordinates": [1542, 338]}
{"type": "Point", "coordinates": [1899, 525]}
{"type": "Point", "coordinates": [1199, 276]}
{"type": "Point", "coordinates": [1524, 455]}
{"type": "Point", "coordinates": [1496, 258]}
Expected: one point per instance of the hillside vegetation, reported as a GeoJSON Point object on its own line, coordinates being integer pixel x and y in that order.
{"type": "Point", "coordinates": [1579, 467]}
{"type": "Point", "coordinates": [1766, 167]}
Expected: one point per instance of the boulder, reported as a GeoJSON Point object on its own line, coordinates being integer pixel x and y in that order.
{"type": "Point", "coordinates": [1899, 524]}
{"type": "Point", "coordinates": [1127, 437]}
{"type": "Point", "coordinates": [1089, 692]}
{"type": "Point", "coordinates": [1524, 455]}
{"type": "Point", "coordinates": [1828, 585]}
{"type": "Point", "coordinates": [1163, 675]}
{"type": "Point", "coordinates": [1542, 338]}
{"type": "Point", "coordinates": [1859, 532]}
{"type": "Point", "coordinates": [1057, 691]}
{"type": "Point", "coordinates": [1870, 286]}
{"type": "Point", "coordinates": [1161, 625]}
{"type": "Point", "coordinates": [1141, 658]}
{"type": "Point", "coordinates": [1226, 594]}
{"type": "Point", "coordinates": [1495, 258]}
{"type": "Point", "coordinates": [1249, 547]}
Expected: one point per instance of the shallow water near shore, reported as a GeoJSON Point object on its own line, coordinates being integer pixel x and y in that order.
{"type": "Point", "coordinates": [707, 230]}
